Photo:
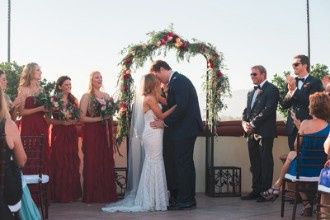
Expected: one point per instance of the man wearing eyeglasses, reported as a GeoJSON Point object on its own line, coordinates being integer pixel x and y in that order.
{"type": "Point", "coordinates": [299, 89]}
{"type": "Point", "coordinates": [259, 124]}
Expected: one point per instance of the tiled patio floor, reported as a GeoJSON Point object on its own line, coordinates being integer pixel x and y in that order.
{"type": "Point", "coordinates": [208, 208]}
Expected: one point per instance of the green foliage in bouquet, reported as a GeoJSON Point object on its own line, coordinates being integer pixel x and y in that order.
{"type": "Point", "coordinates": [105, 108]}
{"type": "Point", "coordinates": [44, 97]}
{"type": "Point", "coordinates": [61, 111]}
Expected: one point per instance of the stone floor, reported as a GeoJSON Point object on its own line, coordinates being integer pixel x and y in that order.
{"type": "Point", "coordinates": [208, 208]}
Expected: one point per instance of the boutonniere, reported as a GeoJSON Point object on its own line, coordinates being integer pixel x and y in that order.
{"type": "Point", "coordinates": [174, 78]}
{"type": "Point", "coordinates": [307, 85]}
{"type": "Point", "coordinates": [260, 91]}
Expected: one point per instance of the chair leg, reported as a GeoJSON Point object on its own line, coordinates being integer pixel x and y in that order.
{"type": "Point", "coordinates": [46, 201]}
{"type": "Point", "coordinates": [296, 196]}
{"type": "Point", "coordinates": [41, 201]}
{"type": "Point", "coordinates": [283, 198]}
{"type": "Point", "coordinates": [318, 203]}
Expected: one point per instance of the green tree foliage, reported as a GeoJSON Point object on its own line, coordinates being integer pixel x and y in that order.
{"type": "Point", "coordinates": [13, 72]}
{"type": "Point", "coordinates": [317, 70]}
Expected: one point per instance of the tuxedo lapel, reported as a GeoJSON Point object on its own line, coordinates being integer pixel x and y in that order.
{"type": "Point", "coordinates": [170, 87]}
{"type": "Point", "coordinates": [175, 74]}
{"type": "Point", "coordinates": [250, 96]}
{"type": "Point", "coordinates": [259, 95]}
{"type": "Point", "coordinates": [306, 82]}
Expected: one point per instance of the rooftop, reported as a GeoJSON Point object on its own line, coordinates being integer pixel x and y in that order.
{"type": "Point", "coordinates": [208, 208]}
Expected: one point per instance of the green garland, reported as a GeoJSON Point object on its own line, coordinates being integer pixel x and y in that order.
{"type": "Point", "coordinates": [216, 84]}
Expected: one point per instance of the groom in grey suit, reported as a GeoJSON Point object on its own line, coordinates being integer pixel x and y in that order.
{"type": "Point", "coordinates": [180, 133]}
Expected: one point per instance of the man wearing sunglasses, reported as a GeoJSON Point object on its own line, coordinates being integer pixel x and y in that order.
{"type": "Point", "coordinates": [299, 89]}
{"type": "Point", "coordinates": [259, 124]}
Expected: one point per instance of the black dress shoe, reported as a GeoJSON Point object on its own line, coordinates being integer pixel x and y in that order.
{"type": "Point", "coordinates": [172, 201]}
{"type": "Point", "coordinates": [182, 206]}
{"type": "Point", "coordinates": [251, 196]}
{"type": "Point", "coordinates": [262, 199]}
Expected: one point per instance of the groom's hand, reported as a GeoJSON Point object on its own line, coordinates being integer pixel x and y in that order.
{"type": "Point", "coordinates": [157, 123]}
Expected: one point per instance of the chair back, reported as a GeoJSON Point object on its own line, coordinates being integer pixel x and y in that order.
{"type": "Point", "coordinates": [33, 146]}
{"type": "Point", "coordinates": [310, 155]}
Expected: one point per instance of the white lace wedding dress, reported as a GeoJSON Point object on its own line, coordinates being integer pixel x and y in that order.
{"type": "Point", "coordinates": [151, 194]}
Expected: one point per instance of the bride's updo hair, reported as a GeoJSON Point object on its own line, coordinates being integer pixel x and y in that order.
{"type": "Point", "coordinates": [151, 85]}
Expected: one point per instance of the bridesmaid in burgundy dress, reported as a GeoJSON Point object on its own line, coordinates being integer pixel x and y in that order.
{"type": "Point", "coordinates": [98, 172]}
{"type": "Point", "coordinates": [33, 121]}
{"type": "Point", "coordinates": [64, 157]}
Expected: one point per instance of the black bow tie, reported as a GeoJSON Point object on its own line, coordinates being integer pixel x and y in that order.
{"type": "Point", "coordinates": [257, 87]}
{"type": "Point", "coordinates": [300, 79]}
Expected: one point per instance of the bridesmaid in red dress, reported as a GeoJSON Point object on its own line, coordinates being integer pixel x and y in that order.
{"type": "Point", "coordinates": [64, 157]}
{"type": "Point", "coordinates": [33, 121]}
{"type": "Point", "coordinates": [98, 172]}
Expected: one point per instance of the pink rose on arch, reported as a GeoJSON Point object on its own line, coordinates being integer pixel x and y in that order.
{"type": "Point", "coordinates": [219, 74]}
{"type": "Point", "coordinates": [162, 42]}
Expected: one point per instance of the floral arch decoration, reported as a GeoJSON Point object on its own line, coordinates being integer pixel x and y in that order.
{"type": "Point", "coordinates": [216, 84]}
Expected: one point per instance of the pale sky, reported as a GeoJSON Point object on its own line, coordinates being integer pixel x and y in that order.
{"type": "Point", "coordinates": [74, 37]}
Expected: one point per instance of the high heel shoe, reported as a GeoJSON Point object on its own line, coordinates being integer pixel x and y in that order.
{"type": "Point", "coordinates": [307, 210]}
{"type": "Point", "coordinates": [271, 194]}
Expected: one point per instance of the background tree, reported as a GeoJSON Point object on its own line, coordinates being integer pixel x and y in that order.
{"type": "Point", "coordinates": [13, 72]}
{"type": "Point", "coordinates": [317, 70]}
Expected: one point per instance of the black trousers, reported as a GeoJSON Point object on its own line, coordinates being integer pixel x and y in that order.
{"type": "Point", "coordinates": [262, 163]}
{"type": "Point", "coordinates": [180, 169]}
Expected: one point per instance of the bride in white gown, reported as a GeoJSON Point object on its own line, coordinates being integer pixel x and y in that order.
{"type": "Point", "coordinates": [146, 188]}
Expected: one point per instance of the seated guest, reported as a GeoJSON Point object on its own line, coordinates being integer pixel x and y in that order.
{"type": "Point", "coordinates": [29, 210]}
{"type": "Point", "coordinates": [12, 157]}
{"type": "Point", "coordinates": [324, 184]}
{"type": "Point", "coordinates": [319, 109]}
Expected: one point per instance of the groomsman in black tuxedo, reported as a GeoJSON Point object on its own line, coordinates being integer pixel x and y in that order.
{"type": "Point", "coordinates": [259, 124]}
{"type": "Point", "coordinates": [180, 133]}
{"type": "Point", "coordinates": [299, 89]}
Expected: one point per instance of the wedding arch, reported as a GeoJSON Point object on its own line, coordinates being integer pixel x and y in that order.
{"type": "Point", "coordinates": [216, 84]}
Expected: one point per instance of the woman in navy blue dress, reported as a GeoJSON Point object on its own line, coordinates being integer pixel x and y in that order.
{"type": "Point", "coordinates": [317, 126]}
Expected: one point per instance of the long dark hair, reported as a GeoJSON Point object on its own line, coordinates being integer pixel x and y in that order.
{"type": "Point", "coordinates": [59, 83]}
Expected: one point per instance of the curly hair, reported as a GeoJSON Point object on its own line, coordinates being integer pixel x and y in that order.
{"type": "Point", "coordinates": [319, 105]}
{"type": "Point", "coordinates": [27, 75]}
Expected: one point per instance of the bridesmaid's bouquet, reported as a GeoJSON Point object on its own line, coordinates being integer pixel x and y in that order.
{"type": "Point", "coordinates": [108, 108]}
{"type": "Point", "coordinates": [56, 102]}
{"type": "Point", "coordinates": [44, 99]}
{"type": "Point", "coordinates": [64, 112]}
{"type": "Point", "coordinates": [72, 112]}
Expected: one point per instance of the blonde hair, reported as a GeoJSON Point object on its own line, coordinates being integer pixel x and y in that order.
{"type": "Point", "coordinates": [27, 75]}
{"type": "Point", "coordinates": [90, 84]}
{"type": "Point", "coordinates": [4, 113]}
{"type": "Point", "coordinates": [150, 85]}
